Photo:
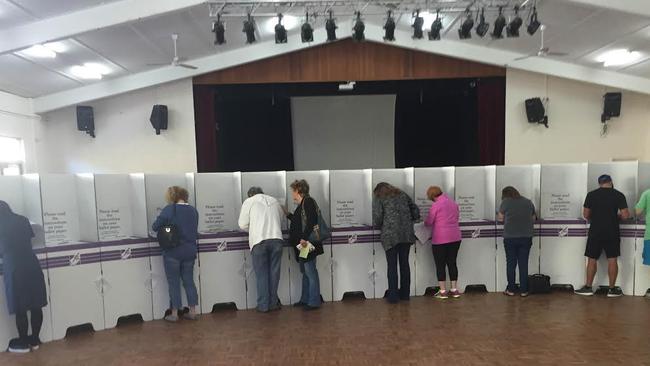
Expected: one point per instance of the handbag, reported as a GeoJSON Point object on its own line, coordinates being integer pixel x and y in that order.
{"type": "Point", "coordinates": [646, 252]}
{"type": "Point", "coordinates": [168, 235]}
{"type": "Point", "coordinates": [539, 284]}
{"type": "Point", "coordinates": [321, 230]}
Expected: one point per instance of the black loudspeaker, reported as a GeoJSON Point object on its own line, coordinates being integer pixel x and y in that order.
{"type": "Point", "coordinates": [612, 106]}
{"type": "Point", "coordinates": [158, 118]}
{"type": "Point", "coordinates": [535, 111]}
{"type": "Point", "coordinates": [86, 120]}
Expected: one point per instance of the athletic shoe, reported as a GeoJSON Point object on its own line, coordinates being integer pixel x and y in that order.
{"type": "Point", "coordinates": [508, 293]}
{"type": "Point", "coordinates": [441, 295]}
{"type": "Point", "coordinates": [584, 291]}
{"type": "Point", "coordinates": [190, 316]}
{"type": "Point", "coordinates": [299, 304]}
{"type": "Point", "coordinates": [310, 308]}
{"type": "Point", "coordinates": [17, 345]}
{"type": "Point", "coordinates": [34, 342]}
{"type": "Point", "coordinates": [614, 292]}
{"type": "Point", "coordinates": [454, 293]}
{"type": "Point", "coordinates": [524, 294]}
{"type": "Point", "coordinates": [171, 318]}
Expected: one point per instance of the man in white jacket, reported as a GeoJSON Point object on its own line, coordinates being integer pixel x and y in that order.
{"type": "Point", "coordinates": [261, 215]}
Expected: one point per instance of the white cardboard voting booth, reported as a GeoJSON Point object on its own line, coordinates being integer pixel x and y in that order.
{"type": "Point", "coordinates": [73, 254]}
{"type": "Point", "coordinates": [352, 234]}
{"type": "Point", "coordinates": [641, 271]}
{"type": "Point", "coordinates": [526, 179]}
{"type": "Point", "coordinates": [273, 184]}
{"type": "Point", "coordinates": [221, 245]}
{"type": "Point", "coordinates": [23, 195]}
{"type": "Point", "coordinates": [475, 196]}
{"type": "Point", "coordinates": [563, 228]}
{"type": "Point", "coordinates": [425, 266]}
{"type": "Point", "coordinates": [402, 179]}
{"type": "Point", "coordinates": [624, 177]}
{"type": "Point", "coordinates": [319, 190]}
{"type": "Point", "coordinates": [122, 231]}
{"type": "Point", "coordinates": [155, 187]}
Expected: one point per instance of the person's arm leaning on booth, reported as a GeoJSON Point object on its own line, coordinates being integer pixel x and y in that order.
{"type": "Point", "coordinates": [244, 215]}
{"type": "Point", "coordinates": [163, 218]}
{"type": "Point", "coordinates": [415, 210]}
{"type": "Point", "coordinates": [377, 212]}
{"type": "Point", "coordinates": [642, 206]}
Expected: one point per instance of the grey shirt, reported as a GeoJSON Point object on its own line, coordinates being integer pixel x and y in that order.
{"type": "Point", "coordinates": [395, 216]}
{"type": "Point", "coordinates": [519, 217]}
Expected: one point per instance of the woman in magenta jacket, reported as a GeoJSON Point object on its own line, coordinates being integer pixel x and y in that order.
{"type": "Point", "coordinates": [445, 237]}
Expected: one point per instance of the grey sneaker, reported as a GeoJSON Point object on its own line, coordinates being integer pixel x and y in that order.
{"type": "Point", "coordinates": [171, 318]}
{"type": "Point", "coordinates": [190, 316]}
{"type": "Point", "coordinates": [614, 292]}
{"type": "Point", "coordinates": [585, 291]}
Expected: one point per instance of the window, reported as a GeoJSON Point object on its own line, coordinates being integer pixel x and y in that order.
{"type": "Point", "coordinates": [12, 156]}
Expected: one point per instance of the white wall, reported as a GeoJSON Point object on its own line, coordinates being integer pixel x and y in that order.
{"type": "Point", "coordinates": [17, 120]}
{"type": "Point", "coordinates": [574, 122]}
{"type": "Point", "coordinates": [125, 140]}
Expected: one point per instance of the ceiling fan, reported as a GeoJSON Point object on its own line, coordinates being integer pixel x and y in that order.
{"type": "Point", "coordinates": [543, 50]}
{"type": "Point", "coordinates": [176, 61]}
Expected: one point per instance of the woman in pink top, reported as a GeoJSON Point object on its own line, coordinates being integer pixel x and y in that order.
{"type": "Point", "coordinates": [445, 237]}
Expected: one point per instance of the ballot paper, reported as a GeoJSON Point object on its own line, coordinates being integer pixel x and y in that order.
{"type": "Point", "coordinates": [304, 251]}
{"type": "Point", "coordinates": [422, 232]}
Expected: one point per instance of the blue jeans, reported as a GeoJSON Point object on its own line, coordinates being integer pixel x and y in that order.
{"type": "Point", "coordinates": [401, 252]}
{"type": "Point", "coordinates": [310, 283]}
{"type": "Point", "coordinates": [267, 256]}
{"type": "Point", "coordinates": [517, 251]}
{"type": "Point", "coordinates": [175, 271]}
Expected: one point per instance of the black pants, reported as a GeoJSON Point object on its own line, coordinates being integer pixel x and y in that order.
{"type": "Point", "coordinates": [401, 252]}
{"type": "Point", "coordinates": [445, 257]}
{"type": "Point", "coordinates": [23, 326]}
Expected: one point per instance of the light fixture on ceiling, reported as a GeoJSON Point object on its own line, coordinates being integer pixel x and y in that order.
{"type": "Point", "coordinates": [306, 30]}
{"type": "Point", "coordinates": [618, 57]}
{"type": "Point", "coordinates": [389, 27]}
{"type": "Point", "coordinates": [219, 30]}
{"type": "Point", "coordinates": [39, 51]}
{"type": "Point", "coordinates": [499, 24]}
{"type": "Point", "coordinates": [84, 72]}
{"type": "Point", "coordinates": [330, 27]}
{"type": "Point", "coordinates": [249, 29]}
{"type": "Point", "coordinates": [483, 26]}
{"type": "Point", "coordinates": [512, 30]}
{"type": "Point", "coordinates": [359, 28]}
{"type": "Point", "coordinates": [418, 24]}
{"type": "Point", "coordinates": [436, 27]}
{"type": "Point", "coordinates": [280, 31]}
{"type": "Point", "coordinates": [533, 23]}
{"type": "Point", "coordinates": [97, 68]}
{"type": "Point", "coordinates": [465, 30]}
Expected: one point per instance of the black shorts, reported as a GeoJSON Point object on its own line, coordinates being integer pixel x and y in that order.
{"type": "Point", "coordinates": [595, 247]}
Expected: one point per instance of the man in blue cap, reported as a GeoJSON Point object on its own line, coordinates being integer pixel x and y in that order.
{"type": "Point", "coordinates": [604, 208]}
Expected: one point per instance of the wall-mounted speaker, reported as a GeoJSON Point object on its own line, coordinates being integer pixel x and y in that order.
{"type": "Point", "coordinates": [86, 120]}
{"type": "Point", "coordinates": [158, 118]}
{"type": "Point", "coordinates": [535, 111]}
{"type": "Point", "coordinates": [612, 106]}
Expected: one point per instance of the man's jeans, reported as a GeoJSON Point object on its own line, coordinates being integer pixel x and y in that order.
{"type": "Point", "coordinates": [267, 256]}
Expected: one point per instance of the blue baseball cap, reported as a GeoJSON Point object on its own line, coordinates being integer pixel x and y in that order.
{"type": "Point", "coordinates": [605, 178]}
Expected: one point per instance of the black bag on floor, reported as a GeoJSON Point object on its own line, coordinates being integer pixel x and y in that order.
{"type": "Point", "coordinates": [539, 284]}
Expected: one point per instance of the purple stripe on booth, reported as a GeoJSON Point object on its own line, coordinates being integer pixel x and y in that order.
{"type": "Point", "coordinates": [478, 223]}
{"type": "Point", "coordinates": [563, 222]}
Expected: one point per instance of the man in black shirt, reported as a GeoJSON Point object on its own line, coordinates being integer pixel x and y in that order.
{"type": "Point", "coordinates": [604, 208]}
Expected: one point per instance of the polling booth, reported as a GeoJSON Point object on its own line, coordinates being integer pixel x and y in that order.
{"type": "Point", "coordinates": [475, 196]}
{"type": "Point", "coordinates": [402, 179]}
{"type": "Point", "coordinates": [319, 190]}
{"type": "Point", "coordinates": [563, 229]}
{"type": "Point", "coordinates": [641, 271]}
{"type": "Point", "coordinates": [352, 234]}
{"type": "Point", "coordinates": [273, 184]}
{"type": "Point", "coordinates": [122, 231]}
{"type": "Point", "coordinates": [222, 246]}
{"type": "Point", "coordinates": [526, 180]}
{"type": "Point", "coordinates": [23, 195]}
{"type": "Point", "coordinates": [73, 251]}
{"type": "Point", "coordinates": [425, 266]}
{"type": "Point", "coordinates": [155, 187]}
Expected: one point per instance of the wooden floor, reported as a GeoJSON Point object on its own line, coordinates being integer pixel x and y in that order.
{"type": "Point", "coordinates": [478, 329]}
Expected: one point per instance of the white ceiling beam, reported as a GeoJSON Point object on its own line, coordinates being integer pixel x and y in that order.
{"type": "Point", "coordinates": [262, 50]}
{"type": "Point", "coordinates": [86, 20]}
{"type": "Point", "coordinates": [637, 7]}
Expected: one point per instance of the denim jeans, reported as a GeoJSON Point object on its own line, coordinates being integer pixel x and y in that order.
{"type": "Point", "coordinates": [310, 283]}
{"type": "Point", "coordinates": [267, 256]}
{"type": "Point", "coordinates": [402, 251]}
{"type": "Point", "coordinates": [176, 271]}
{"type": "Point", "coordinates": [517, 251]}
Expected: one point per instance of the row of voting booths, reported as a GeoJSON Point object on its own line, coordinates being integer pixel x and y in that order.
{"type": "Point", "coordinates": [93, 236]}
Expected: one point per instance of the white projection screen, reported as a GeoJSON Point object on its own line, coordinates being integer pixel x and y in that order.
{"type": "Point", "coordinates": [343, 132]}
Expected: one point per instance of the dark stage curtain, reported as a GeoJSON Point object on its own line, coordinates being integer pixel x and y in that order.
{"type": "Point", "coordinates": [491, 121]}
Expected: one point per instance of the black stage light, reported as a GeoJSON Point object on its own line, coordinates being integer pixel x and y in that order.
{"type": "Point", "coordinates": [249, 29]}
{"type": "Point", "coordinates": [436, 27]}
{"type": "Point", "coordinates": [359, 28]}
{"type": "Point", "coordinates": [512, 30]}
{"type": "Point", "coordinates": [307, 31]}
{"type": "Point", "coordinates": [465, 30]}
{"type": "Point", "coordinates": [219, 30]}
{"type": "Point", "coordinates": [389, 27]}
{"type": "Point", "coordinates": [418, 24]}
{"type": "Point", "coordinates": [499, 24]}
{"type": "Point", "coordinates": [330, 27]}
{"type": "Point", "coordinates": [533, 23]}
{"type": "Point", "coordinates": [483, 26]}
{"type": "Point", "coordinates": [280, 31]}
